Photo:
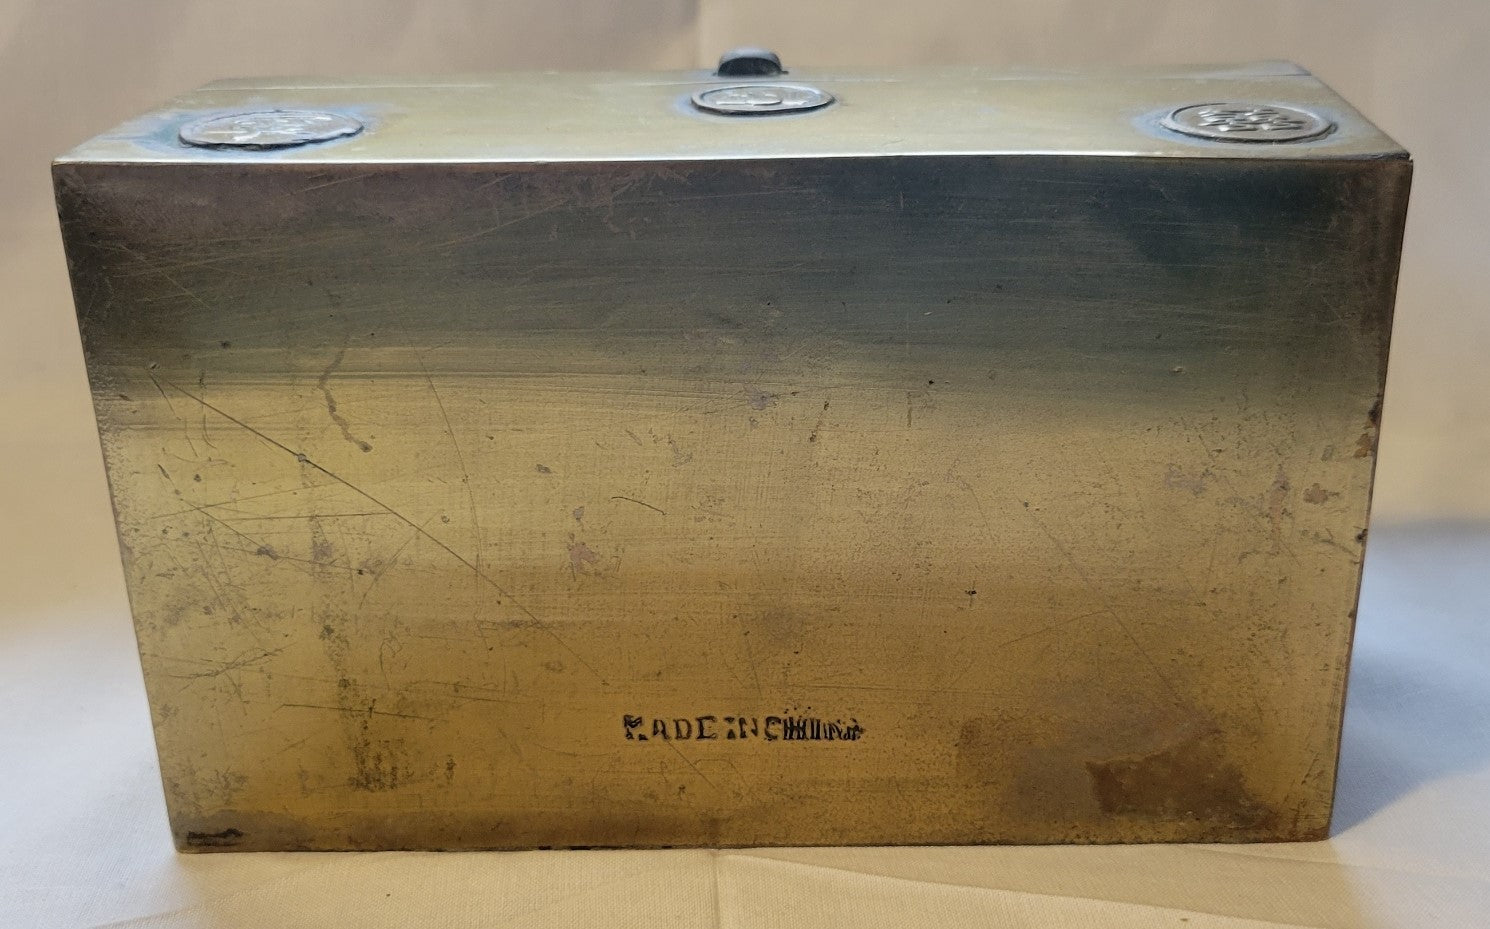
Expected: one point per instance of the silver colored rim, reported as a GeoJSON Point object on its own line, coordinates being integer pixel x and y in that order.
{"type": "Point", "coordinates": [264, 129]}
{"type": "Point", "coordinates": [1247, 122]}
{"type": "Point", "coordinates": [761, 99]}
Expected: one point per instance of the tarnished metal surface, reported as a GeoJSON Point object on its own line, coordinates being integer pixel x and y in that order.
{"type": "Point", "coordinates": [1247, 122]}
{"type": "Point", "coordinates": [736, 500]}
{"type": "Point", "coordinates": [265, 129]}
{"type": "Point", "coordinates": [760, 99]}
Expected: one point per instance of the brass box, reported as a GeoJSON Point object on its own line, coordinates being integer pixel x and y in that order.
{"type": "Point", "coordinates": [974, 458]}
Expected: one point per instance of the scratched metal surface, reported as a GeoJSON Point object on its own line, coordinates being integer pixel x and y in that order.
{"type": "Point", "coordinates": [881, 500]}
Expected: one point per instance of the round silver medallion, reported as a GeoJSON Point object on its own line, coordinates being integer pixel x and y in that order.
{"type": "Point", "coordinates": [761, 99]}
{"type": "Point", "coordinates": [1247, 122]}
{"type": "Point", "coordinates": [269, 129]}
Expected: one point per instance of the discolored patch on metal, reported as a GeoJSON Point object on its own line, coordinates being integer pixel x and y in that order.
{"type": "Point", "coordinates": [1190, 780]}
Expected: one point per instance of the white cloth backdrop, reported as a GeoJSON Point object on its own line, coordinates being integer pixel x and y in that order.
{"type": "Point", "coordinates": [83, 840]}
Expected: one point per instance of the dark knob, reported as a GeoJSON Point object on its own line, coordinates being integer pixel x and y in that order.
{"type": "Point", "coordinates": [749, 62]}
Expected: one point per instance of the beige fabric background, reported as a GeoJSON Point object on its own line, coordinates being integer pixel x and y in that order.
{"type": "Point", "coordinates": [82, 834]}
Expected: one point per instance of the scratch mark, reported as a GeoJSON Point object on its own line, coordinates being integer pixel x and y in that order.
{"type": "Point", "coordinates": [242, 661]}
{"type": "Point", "coordinates": [689, 761]}
{"type": "Point", "coordinates": [251, 519]}
{"type": "Point", "coordinates": [260, 548]}
{"type": "Point", "coordinates": [821, 418]}
{"type": "Point", "coordinates": [185, 429]}
{"type": "Point", "coordinates": [1107, 606]}
{"type": "Point", "coordinates": [937, 689]}
{"type": "Point", "coordinates": [208, 575]}
{"type": "Point", "coordinates": [389, 649]}
{"type": "Point", "coordinates": [1328, 538]}
{"type": "Point", "coordinates": [977, 502]}
{"type": "Point", "coordinates": [1210, 565]}
{"type": "Point", "coordinates": [950, 684]}
{"type": "Point", "coordinates": [355, 711]}
{"type": "Point", "coordinates": [190, 294]}
{"type": "Point", "coordinates": [392, 562]}
{"type": "Point", "coordinates": [649, 506]}
{"type": "Point", "coordinates": [755, 671]}
{"type": "Point", "coordinates": [294, 745]}
{"type": "Point", "coordinates": [481, 233]}
{"type": "Point", "coordinates": [307, 462]}
{"type": "Point", "coordinates": [340, 180]}
{"type": "Point", "coordinates": [208, 506]}
{"type": "Point", "coordinates": [1277, 496]}
{"type": "Point", "coordinates": [265, 551]}
{"type": "Point", "coordinates": [465, 474]}
{"type": "Point", "coordinates": [324, 383]}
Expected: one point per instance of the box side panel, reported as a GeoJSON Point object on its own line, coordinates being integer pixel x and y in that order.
{"type": "Point", "coordinates": [857, 501]}
{"type": "Point", "coordinates": [89, 280]}
{"type": "Point", "coordinates": [1384, 203]}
